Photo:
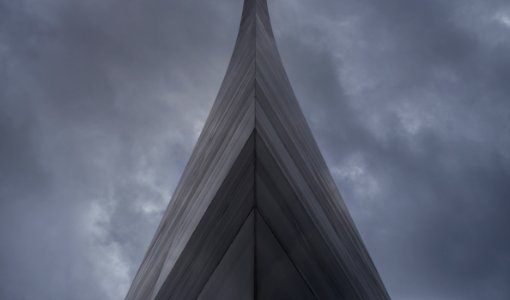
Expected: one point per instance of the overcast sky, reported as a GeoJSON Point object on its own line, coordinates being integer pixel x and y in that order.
{"type": "Point", "coordinates": [101, 102]}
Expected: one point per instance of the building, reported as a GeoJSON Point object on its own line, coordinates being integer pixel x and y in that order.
{"type": "Point", "coordinates": [256, 214]}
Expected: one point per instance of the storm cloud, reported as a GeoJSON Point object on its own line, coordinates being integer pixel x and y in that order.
{"type": "Point", "coordinates": [101, 103]}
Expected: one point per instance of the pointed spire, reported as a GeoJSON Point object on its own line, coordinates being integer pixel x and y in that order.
{"type": "Point", "coordinates": [253, 9]}
{"type": "Point", "coordinates": [256, 156]}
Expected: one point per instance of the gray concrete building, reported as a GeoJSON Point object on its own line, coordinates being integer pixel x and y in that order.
{"type": "Point", "coordinates": [256, 214]}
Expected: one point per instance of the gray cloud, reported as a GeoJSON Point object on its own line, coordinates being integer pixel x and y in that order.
{"type": "Point", "coordinates": [414, 126]}
{"type": "Point", "coordinates": [102, 101]}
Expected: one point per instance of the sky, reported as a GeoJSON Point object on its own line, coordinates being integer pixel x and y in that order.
{"type": "Point", "coordinates": [102, 101]}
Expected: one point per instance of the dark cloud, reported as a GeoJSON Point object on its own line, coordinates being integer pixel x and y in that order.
{"type": "Point", "coordinates": [409, 103]}
{"type": "Point", "coordinates": [100, 110]}
{"type": "Point", "coordinates": [102, 101]}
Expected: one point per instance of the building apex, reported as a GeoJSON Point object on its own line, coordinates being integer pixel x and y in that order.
{"type": "Point", "coordinates": [256, 214]}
